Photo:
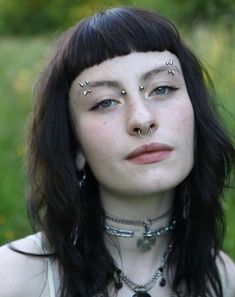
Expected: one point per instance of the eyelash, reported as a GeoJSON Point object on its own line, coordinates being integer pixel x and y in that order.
{"type": "Point", "coordinates": [99, 104]}
{"type": "Point", "coordinates": [169, 88]}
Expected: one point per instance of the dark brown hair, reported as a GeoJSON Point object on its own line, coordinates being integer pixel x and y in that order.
{"type": "Point", "coordinates": [57, 205]}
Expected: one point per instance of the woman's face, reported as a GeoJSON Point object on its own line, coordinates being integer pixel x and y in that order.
{"type": "Point", "coordinates": [113, 120]}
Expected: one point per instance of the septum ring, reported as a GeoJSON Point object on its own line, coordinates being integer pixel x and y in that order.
{"type": "Point", "coordinates": [150, 131]}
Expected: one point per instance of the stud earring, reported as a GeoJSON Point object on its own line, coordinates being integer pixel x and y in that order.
{"type": "Point", "coordinates": [170, 62]}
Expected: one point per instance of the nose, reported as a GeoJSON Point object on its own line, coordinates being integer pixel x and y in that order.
{"type": "Point", "coordinates": [141, 119]}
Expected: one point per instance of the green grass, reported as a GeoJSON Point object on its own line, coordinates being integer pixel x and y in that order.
{"type": "Point", "coordinates": [20, 63]}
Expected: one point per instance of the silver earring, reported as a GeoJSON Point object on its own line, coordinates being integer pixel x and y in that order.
{"type": "Point", "coordinates": [81, 182]}
{"type": "Point", "coordinates": [141, 88]}
{"type": "Point", "coordinates": [169, 62]}
{"type": "Point", "coordinates": [123, 92]}
{"type": "Point", "coordinates": [140, 132]}
{"type": "Point", "coordinates": [74, 236]}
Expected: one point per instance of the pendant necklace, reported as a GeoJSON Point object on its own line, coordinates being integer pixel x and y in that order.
{"type": "Point", "coordinates": [141, 290]}
{"type": "Point", "coordinates": [148, 237]}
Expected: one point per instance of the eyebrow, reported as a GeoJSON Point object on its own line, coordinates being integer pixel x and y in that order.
{"type": "Point", "coordinates": [158, 70]}
{"type": "Point", "coordinates": [101, 83]}
{"type": "Point", "coordinates": [144, 77]}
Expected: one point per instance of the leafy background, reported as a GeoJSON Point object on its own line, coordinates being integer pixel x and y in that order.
{"type": "Point", "coordinates": [27, 31]}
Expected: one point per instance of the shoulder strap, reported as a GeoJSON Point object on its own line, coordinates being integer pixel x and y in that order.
{"type": "Point", "coordinates": [37, 238]}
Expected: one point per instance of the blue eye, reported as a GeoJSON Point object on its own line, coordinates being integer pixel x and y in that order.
{"type": "Point", "coordinates": [105, 104]}
{"type": "Point", "coordinates": [163, 90]}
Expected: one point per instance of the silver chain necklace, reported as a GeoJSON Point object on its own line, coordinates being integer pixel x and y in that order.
{"type": "Point", "coordinates": [141, 290]}
{"type": "Point", "coordinates": [148, 238]}
{"type": "Point", "coordinates": [144, 223]}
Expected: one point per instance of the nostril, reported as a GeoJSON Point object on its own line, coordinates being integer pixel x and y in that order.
{"type": "Point", "coordinates": [136, 130]}
{"type": "Point", "coordinates": [152, 126]}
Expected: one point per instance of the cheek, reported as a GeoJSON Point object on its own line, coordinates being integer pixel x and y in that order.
{"type": "Point", "coordinates": [182, 119]}
{"type": "Point", "coordinates": [96, 138]}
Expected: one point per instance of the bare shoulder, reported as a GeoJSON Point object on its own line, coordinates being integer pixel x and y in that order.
{"type": "Point", "coordinates": [22, 275]}
{"type": "Point", "coordinates": [226, 268]}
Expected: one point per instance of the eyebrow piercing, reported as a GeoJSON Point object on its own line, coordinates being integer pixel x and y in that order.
{"type": "Point", "coordinates": [171, 71]}
{"type": "Point", "coordinates": [83, 85]}
{"type": "Point", "coordinates": [170, 62]}
{"type": "Point", "coordinates": [141, 88]}
{"type": "Point", "coordinates": [87, 92]}
{"type": "Point", "coordinates": [123, 92]}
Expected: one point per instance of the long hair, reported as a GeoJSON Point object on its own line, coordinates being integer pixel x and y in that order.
{"type": "Point", "coordinates": [56, 204]}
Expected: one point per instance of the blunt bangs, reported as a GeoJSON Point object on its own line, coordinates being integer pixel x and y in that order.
{"type": "Point", "coordinates": [116, 32]}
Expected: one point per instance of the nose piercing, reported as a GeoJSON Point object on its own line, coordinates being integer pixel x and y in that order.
{"type": "Point", "coordinates": [141, 134]}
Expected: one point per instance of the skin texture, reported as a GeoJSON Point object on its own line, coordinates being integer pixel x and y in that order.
{"type": "Point", "coordinates": [108, 132]}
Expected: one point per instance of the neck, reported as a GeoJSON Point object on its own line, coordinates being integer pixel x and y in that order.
{"type": "Point", "coordinates": [127, 251]}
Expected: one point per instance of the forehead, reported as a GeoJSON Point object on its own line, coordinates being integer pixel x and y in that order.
{"type": "Point", "coordinates": [134, 64]}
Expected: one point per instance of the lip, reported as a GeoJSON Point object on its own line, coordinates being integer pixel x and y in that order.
{"type": "Point", "coordinates": [150, 153]}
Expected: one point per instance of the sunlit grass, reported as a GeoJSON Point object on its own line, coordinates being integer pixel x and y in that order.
{"type": "Point", "coordinates": [20, 63]}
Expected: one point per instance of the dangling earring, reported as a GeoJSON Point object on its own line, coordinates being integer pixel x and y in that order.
{"type": "Point", "coordinates": [81, 181]}
{"type": "Point", "coordinates": [74, 236]}
{"type": "Point", "coordinates": [117, 279]}
{"type": "Point", "coordinates": [186, 204]}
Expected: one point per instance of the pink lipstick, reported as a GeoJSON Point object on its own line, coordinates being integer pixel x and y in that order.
{"type": "Point", "coordinates": [150, 153]}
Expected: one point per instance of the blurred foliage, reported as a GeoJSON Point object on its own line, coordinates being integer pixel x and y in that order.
{"type": "Point", "coordinates": [19, 17]}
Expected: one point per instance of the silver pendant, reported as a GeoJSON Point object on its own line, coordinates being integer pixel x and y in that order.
{"type": "Point", "coordinates": [145, 243]}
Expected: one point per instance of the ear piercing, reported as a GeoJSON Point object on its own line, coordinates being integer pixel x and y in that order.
{"type": "Point", "coordinates": [170, 62]}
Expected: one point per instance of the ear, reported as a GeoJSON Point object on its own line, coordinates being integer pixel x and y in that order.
{"type": "Point", "coordinates": [80, 160]}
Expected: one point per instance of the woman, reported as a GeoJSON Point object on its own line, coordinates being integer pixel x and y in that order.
{"type": "Point", "coordinates": [127, 164]}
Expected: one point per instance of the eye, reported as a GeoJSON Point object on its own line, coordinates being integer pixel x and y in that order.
{"type": "Point", "coordinates": [105, 104]}
{"type": "Point", "coordinates": [163, 90]}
